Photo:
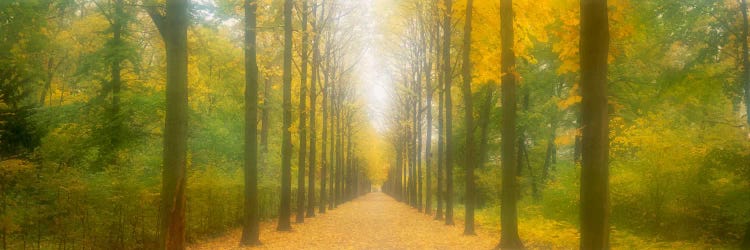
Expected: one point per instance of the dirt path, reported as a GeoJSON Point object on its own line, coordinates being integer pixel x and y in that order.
{"type": "Point", "coordinates": [374, 221]}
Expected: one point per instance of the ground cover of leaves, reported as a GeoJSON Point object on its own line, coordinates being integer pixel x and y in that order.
{"type": "Point", "coordinates": [373, 221]}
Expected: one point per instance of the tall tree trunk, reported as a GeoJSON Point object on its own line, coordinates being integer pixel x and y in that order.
{"type": "Point", "coordinates": [413, 149]}
{"type": "Point", "coordinates": [594, 116]}
{"type": "Point", "coordinates": [323, 143]}
{"type": "Point", "coordinates": [339, 152]}
{"type": "Point", "coordinates": [334, 163]}
{"type": "Point", "coordinates": [118, 24]}
{"type": "Point", "coordinates": [550, 155]}
{"type": "Point", "coordinates": [286, 139]}
{"type": "Point", "coordinates": [508, 212]}
{"type": "Point", "coordinates": [313, 103]}
{"type": "Point", "coordinates": [484, 123]}
{"type": "Point", "coordinates": [350, 185]}
{"type": "Point", "coordinates": [522, 151]}
{"type": "Point", "coordinates": [441, 135]}
{"type": "Point", "coordinates": [302, 119]}
{"type": "Point", "coordinates": [335, 186]}
{"type": "Point", "coordinates": [325, 165]}
{"type": "Point", "coordinates": [399, 178]}
{"type": "Point", "coordinates": [173, 28]}
{"type": "Point", "coordinates": [448, 112]}
{"type": "Point", "coordinates": [418, 134]}
{"type": "Point", "coordinates": [470, 154]}
{"type": "Point", "coordinates": [250, 225]}
{"type": "Point", "coordinates": [428, 139]}
{"type": "Point", "coordinates": [265, 118]}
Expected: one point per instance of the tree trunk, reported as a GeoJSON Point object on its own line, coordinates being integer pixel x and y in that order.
{"type": "Point", "coordinates": [313, 103]}
{"type": "Point", "coordinates": [302, 119]}
{"type": "Point", "coordinates": [428, 139]}
{"type": "Point", "coordinates": [594, 121]}
{"type": "Point", "coordinates": [286, 139]}
{"type": "Point", "coordinates": [339, 152]}
{"type": "Point", "coordinates": [334, 162]}
{"type": "Point", "coordinates": [448, 113]}
{"type": "Point", "coordinates": [508, 213]}
{"type": "Point", "coordinates": [335, 154]}
{"type": "Point", "coordinates": [550, 155]}
{"type": "Point", "coordinates": [265, 118]}
{"type": "Point", "coordinates": [441, 138]}
{"type": "Point", "coordinates": [173, 28]}
{"type": "Point", "coordinates": [250, 226]}
{"type": "Point", "coordinates": [470, 154]}
{"type": "Point", "coordinates": [484, 122]}
{"type": "Point", "coordinates": [522, 151]}
{"type": "Point", "coordinates": [418, 134]}
{"type": "Point", "coordinates": [324, 135]}
{"type": "Point", "coordinates": [116, 83]}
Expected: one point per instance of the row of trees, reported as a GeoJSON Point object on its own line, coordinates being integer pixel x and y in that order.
{"type": "Point", "coordinates": [555, 103]}
{"type": "Point", "coordinates": [94, 155]}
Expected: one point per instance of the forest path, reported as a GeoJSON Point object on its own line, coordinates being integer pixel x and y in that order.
{"type": "Point", "coordinates": [373, 221]}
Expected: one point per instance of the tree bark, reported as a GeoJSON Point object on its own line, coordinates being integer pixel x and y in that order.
{"type": "Point", "coordinates": [441, 137]}
{"type": "Point", "coordinates": [118, 25]}
{"type": "Point", "coordinates": [508, 213]}
{"type": "Point", "coordinates": [428, 139]}
{"type": "Point", "coordinates": [448, 113]}
{"type": "Point", "coordinates": [313, 103]}
{"type": "Point", "coordinates": [418, 134]}
{"type": "Point", "coordinates": [594, 121]}
{"type": "Point", "coordinates": [250, 225]}
{"type": "Point", "coordinates": [302, 120]}
{"type": "Point", "coordinates": [173, 28]}
{"type": "Point", "coordinates": [324, 135]}
{"type": "Point", "coordinates": [286, 139]}
{"type": "Point", "coordinates": [265, 118]}
{"type": "Point", "coordinates": [470, 154]}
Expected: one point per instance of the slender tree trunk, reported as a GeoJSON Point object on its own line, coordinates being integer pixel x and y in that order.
{"type": "Point", "coordinates": [413, 150]}
{"type": "Point", "coordinates": [323, 143]}
{"type": "Point", "coordinates": [484, 122]}
{"type": "Point", "coordinates": [428, 140]}
{"type": "Point", "coordinates": [418, 134]}
{"type": "Point", "coordinates": [173, 28]}
{"type": "Point", "coordinates": [594, 116]}
{"type": "Point", "coordinates": [448, 113]}
{"type": "Point", "coordinates": [286, 141]}
{"type": "Point", "coordinates": [302, 119]}
{"type": "Point", "coordinates": [470, 153]}
{"type": "Point", "coordinates": [350, 185]}
{"type": "Point", "coordinates": [508, 215]}
{"type": "Point", "coordinates": [324, 198]}
{"type": "Point", "coordinates": [339, 152]}
{"type": "Point", "coordinates": [334, 163]}
{"type": "Point", "coordinates": [313, 103]}
{"type": "Point", "coordinates": [265, 118]}
{"type": "Point", "coordinates": [550, 155]}
{"type": "Point", "coordinates": [250, 225]}
{"type": "Point", "coordinates": [399, 184]}
{"type": "Point", "coordinates": [48, 81]}
{"type": "Point", "coordinates": [405, 167]}
{"type": "Point", "coordinates": [116, 82]}
{"type": "Point", "coordinates": [441, 136]}
{"type": "Point", "coordinates": [521, 149]}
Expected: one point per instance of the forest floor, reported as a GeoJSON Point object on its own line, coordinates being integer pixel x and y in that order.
{"type": "Point", "coordinates": [373, 221]}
